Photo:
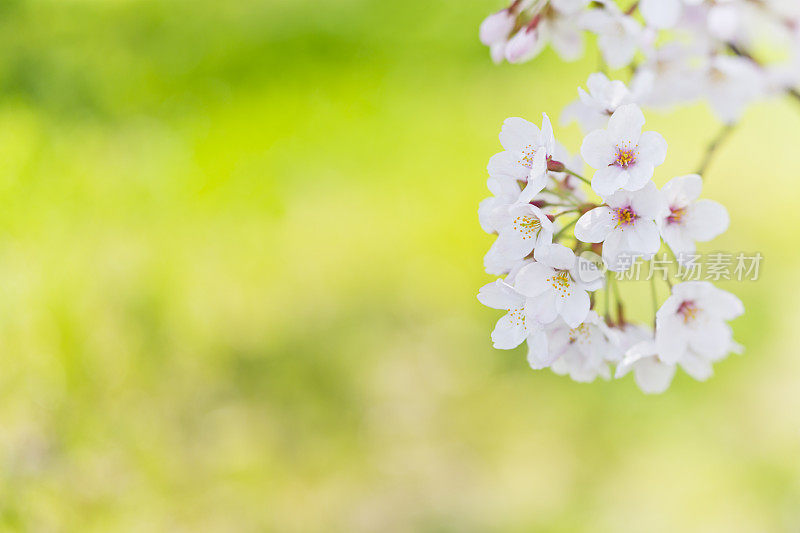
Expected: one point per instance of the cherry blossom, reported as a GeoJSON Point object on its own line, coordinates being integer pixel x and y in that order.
{"type": "Point", "coordinates": [625, 158]}
{"type": "Point", "coordinates": [625, 225]}
{"type": "Point", "coordinates": [694, 318]}
{"type": "Point", "coordinates": [555, 286]}
{"type": "Point", "coordinates": [686, 219]}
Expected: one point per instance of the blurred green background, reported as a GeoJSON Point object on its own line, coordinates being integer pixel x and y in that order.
{"type": "Point", "coordinates": [238, 268]}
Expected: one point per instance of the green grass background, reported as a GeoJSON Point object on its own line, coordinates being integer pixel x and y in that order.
{"type": "Point", "coordinates": [239, 254]}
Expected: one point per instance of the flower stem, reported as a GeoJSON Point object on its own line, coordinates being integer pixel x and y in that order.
{"type": "Point", "coordinates": [587, 182]}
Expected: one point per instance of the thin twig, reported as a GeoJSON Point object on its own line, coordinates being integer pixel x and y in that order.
{"type": "Point", "coordinates": [713, 146]}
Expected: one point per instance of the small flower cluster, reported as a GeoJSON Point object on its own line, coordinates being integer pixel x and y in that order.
{"type": "Point", "coordinates": [549, 278]}
{"type": "Point", "coordinates": [678, 50]}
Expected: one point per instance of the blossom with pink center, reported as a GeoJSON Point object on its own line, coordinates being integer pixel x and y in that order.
{"type": "Point", "coordinates": [693, 320]}
{"type": "Point", "coordinates": [625, 158]}
{"type": "Point", "coordinates": [685, 219]}
{"type": "Point", "coordinates": [625, 225]}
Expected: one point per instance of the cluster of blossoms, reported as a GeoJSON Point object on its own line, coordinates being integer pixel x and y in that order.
{"type": "Point", "coordinates": [678, 51]}
{"type": "Point", "coordinates": [551, 269]}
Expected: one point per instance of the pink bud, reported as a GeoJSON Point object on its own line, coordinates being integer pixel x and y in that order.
{"type": "Point", "coordinates": [496, 27]}
{"type": "Point", "coordinates": [523, 46]}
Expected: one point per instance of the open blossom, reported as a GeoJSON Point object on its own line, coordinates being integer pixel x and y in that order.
{"type": "Point", "coordinates": [686, 219]}
{"type": "Point", "coordinates": [583, 352]}
{"type": "Point", "coordinates": [527, 149]}
{"type": "Point", "coordinates": [694, 320]}
{"type": "Point", "coordinates": [731, 84]}
{"type": "Point", "coordinates": [625, 225]}
{"type": "Point", "coordinates": [619, 36]}
{"type": "Point", "coordinates": [556, 286]}
{"type": "Point", "coordinates": [513, 327]}
{"type": "Point", "coordinates": [625, 158]}
{"type": "Point", "coordinates": [527, 228]}
{"type": "Point", "coordinates": [593, 108]}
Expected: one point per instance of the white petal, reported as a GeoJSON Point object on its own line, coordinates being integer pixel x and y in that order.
{"type": "Point", "coordinates": [542, 308]}
{"type": "Point", "coordinates": [531, 280]}
{"type": "Point", "coordinates": [615, 248]}
{"type": "Point", "coordinates": [517, 133]}
{"type": "Point", "coordinates": [696, 366]}
{"type": "Point", "coordinates": [635, 353]}
{"type": "Point", "coordinates": [598, 149]}
{"type": "Point", "coordinates": [722, 304]}
{"type": "Point", "coordinates": [538, 350]}
{"type": "Point", "coordinates": [682, 190]}
{"type": "Point", "coordinates": [555, 256]}
{"type": "Point", "coordinates": [644, 237]}
{"type": "Point", "coordinates": [608, 180]}
{"type": "Point", "coordinates": [640, 175]}
{"type": "Point", "coordinates": [707, 219]}
{"type": "Point", "coordinates": [652, 148]}
{"type": "Point", "coordinates": [647, 201]}
{"type": "Point", "coordinates": [594, 225]}
{"type": "Point", "coordinates": [652, 376]}
{"type": "Point", "coordinates": [548, 139]}
{"type": "Point", "coordinates": [713, 340]}
{"type": "Point", "coordinates": [625, 125]}
{"type": "Point", "coordinates": [678, 240]}
{"type": "Point", "coordinates": [671, 340]}
{"type": "Point", "coordinates": [575, 308]}
{"type": "Point", "coordinates": [505, 165]}
{"type": "Point", "coordinates": [500, 295]}
{"type": "Point", "coordinates": [508, 333]}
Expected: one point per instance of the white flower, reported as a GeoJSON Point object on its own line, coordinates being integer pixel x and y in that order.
{"type": "Point", "coordinates": [493, 211]}
{"type": "Point", "coordinates": [624, 156]}
{"type": "Point", "coordinates": [661, 13]}
{"type": "Point", "coordinates": [619, 35]}
{"type": "Point", "coordinates": [526, 229]}
{"type": "Point", "coordinates": [527, 150]}
{"type": "Point", "coordinates": [693, 319]}
{"type": "Point", "coordinates": [730, 84]}
{"type": "Point", "coordinates": [582, 351]}
{"type": "Point", "coordinates": [593, 108]}
{"type": "Point", "coordinates": [686, 219]}
{"type": "Point", "coordinates": [625, 225]}
{"type": "Point", "coordinates": [652, 375]}
{"type": "Point", "coordinates": [494, 32]}
{"type": "Point", "coordinates": [556, 285]}
{"type": "Point", "coordinates": [513, 327]}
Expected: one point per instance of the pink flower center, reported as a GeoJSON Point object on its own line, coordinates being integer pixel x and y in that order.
{"type": "Point", "coordinates": [625, 156]}
{"type": "Point", "coordinates": [625, 216]}
{"type": "Point", "coordinates": [676, 214]}
{"type": "Point", "coordinates": [688, 310]}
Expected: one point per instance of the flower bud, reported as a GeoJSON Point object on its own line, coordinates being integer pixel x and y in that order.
{"type": "Point", "coordinates": [496, 27]}
{"type": "Point", "coordinates": [523, 46]}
